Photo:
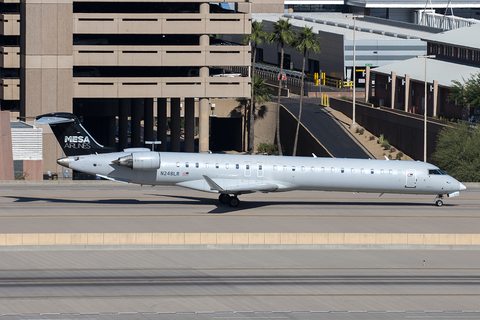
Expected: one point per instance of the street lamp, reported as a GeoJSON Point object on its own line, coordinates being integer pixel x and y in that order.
{"type": "Point", "coordinates": [354, 125]}
{"type": "Point", "coordinates": [425, 109]}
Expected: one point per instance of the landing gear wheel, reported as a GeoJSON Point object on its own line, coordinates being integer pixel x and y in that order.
{"type": "Point", "coordinates": [224, 198]}
{"type": "Point", "coordinates": [439, 203]}
{"type": "Point", "coordinates": [233, 202]}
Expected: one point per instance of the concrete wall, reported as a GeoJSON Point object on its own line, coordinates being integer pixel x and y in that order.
{"type": "Point", "coordinates": [48, 239]}
{"type": "Point", "coordinates": [403, 130]}
{"type": "Point", "coordinates": [6, 154]}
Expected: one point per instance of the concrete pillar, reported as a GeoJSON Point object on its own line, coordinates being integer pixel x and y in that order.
{"type": "Point", "coordinates": [137, 110]}
{"type": "Point", "coordinates": [368, 85]}
{"type": "Point", "coordinates": [111, 131]}
{"type": "Point", "coordinates": [148, 119]}
{"type": "Point", "coordinates": [407, 93]}
{"type": "Point", "coordinates": [189, 125]}
{"type": "Point", "coordinates": [393, 89]}
{"type": "Point", "coordinates": [175, 124]}
{"type": "Point", "coordinates": [435, 98]}
{"type": "Point", "coordinates": [204, 126]}
{"type": "Point", "coordinates": [162, 123]}
{"type": "Point", "coordinates": [205, 7]}
{"type": "Point", "coordinates": [123, 112]}
{"type": "Point", "coordinates": [204, 40]}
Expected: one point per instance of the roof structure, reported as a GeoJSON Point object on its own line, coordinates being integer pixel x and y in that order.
{"type": "Point", "coordinates": [21, 125]}
{"type": "Point", "coordinates": [413, 3]}
{"type": "Point", "coordinates": [340, 23]}
{"type": "Point", "coordinates": [467, 37]}
{"type": "Point", "coordinates": [442, 71]}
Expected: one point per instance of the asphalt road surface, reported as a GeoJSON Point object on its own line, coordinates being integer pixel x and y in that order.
{"type": "Point", "coordinates": [234, 284]}
{"type": "Point", "coordinates": [115, 207]}
{"type": "Point", "coordinates": [240, 284]}
{"type": "Point", "coordinates": [324, 127]}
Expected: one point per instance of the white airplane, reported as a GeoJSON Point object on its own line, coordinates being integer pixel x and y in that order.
{"type": "Point", "coordinates": [232, 175]}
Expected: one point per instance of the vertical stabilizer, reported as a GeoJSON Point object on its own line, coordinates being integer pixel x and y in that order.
{"type": "Point", "coordinates": [71, 135]}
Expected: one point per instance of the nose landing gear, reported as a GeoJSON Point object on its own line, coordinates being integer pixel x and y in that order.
{"type": "Point", "coordinates": [232, 201]}
{"type": "Point", "coordinates": [439, 200]}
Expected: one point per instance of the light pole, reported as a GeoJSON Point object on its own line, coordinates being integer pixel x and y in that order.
{"type": "Point", "coordinates": [354, 124]}
{"type": "Point", "coordinates": [425, 110]}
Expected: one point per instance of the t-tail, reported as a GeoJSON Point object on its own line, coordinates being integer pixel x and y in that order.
{"type": "Point", "coordinates": [71, 135]}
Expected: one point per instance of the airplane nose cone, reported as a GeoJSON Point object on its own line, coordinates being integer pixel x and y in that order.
{"type": "Point", "coordinates": [462, 186]}
{"type": "Point", "coordinates": [64, 162]}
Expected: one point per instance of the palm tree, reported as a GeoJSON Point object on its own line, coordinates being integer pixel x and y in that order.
{"type": "Point", "coordinates": [307, 41]}
{"type": "Point", "coordinates": [256, 37]}
{"type": "Point", "coordinates": [283, 35]}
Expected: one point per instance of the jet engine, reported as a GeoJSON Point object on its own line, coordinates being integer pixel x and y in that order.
{"type": "Point", "coordinates": [140, 161]}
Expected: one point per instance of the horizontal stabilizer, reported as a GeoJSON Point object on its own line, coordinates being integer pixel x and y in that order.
{"type": "Point", "coordinates": [54, 120]}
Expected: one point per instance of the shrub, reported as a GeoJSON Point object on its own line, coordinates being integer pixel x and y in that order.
{"type": "Point", "coordinates": [361, 131]}
{"type": "Point", "coordinates": [372, 138]}
{"type": "Point", "coordinates": [399, 156]}
{"type": "Point", "coordinates": [268, 148]}
{"type": "Point", "coordinates": [385, 145]}
{"type": "Point", "coordinates": [392, 149]}
{"type": "Point", "coordinates": [390, 156]}
{"type": "Point", "coordinates": [380, 139]}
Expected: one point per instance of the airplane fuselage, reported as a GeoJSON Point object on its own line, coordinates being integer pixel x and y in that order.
{"type": "Point", "coordinates": [268, 173]}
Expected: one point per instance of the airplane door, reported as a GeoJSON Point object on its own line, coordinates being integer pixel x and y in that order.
{"type": "Point", "coordinates": [247, 169]}
{"type": "Point", "coordinates": [260, 169]}
{"type": "Point", "coordinates": [411, 179]}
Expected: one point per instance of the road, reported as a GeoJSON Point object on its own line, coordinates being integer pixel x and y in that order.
{"type": "Point", "coordinates": [115, 207]}
{"type": "Point", "coordinates": [324, 127]}
{"type": "Point", "coordinates": [332, 283]}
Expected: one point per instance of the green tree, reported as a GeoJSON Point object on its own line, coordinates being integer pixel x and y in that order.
{"type": "Point", "coordinates": [260, 94]}
{"type": "Point", "coordinates": [458, 152]}
{"type": "Point", "coordinates": [306, 42]}
{"type": "Point", "coordinates": [467, 94]}
{"type": "Point", "coordinates": [256, 37]}
{"type": "Point", "coordinates": [283, 35]}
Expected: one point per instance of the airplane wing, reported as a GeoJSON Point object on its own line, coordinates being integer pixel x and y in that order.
{"type": "Point", "coordinates": [113, 179]}
{"type": "Point", "coordinates": [239, 188]}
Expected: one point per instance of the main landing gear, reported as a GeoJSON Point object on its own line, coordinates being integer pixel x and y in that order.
{"type": "Point", "coordinates": [439, 200]}
{"type": "Point", "coordinates": [232, 201]}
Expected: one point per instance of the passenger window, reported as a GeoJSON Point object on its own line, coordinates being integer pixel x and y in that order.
{"type": "Point", "coordinates": [197, 165]}
{"type": "Point", "coordinates": [284, 168]}
{"type": "Point", "coordinates": [186, 164]}
{"type": "Point", "coordinates": [303, 168]}
{"type": "Point", "coordinates": [381, 171]}
{"type": "Point", "coordinates": [333, 169]}
{"type": "Point", "coordinates": [226, 166]}
{"type": "Point", "coordinates": [259, 167]}
{"type": "Point", "coordinates": [178, 164]}
{"type": "Point", "coordinates": [322, 169]}
{"type": "Point", "coordinates": [342, 170]}
{"type": "Point", "coordinates": [206, 165]}
{"type": "Point", "coordinates": [372, 171]}
{"type": "Point", "coordinates": [216, 165]}
{"type": "Point", "coordinates": [352, 170]}
{"type": "Point", "coordinates": [237, 166]}
{"type": "Point", "coordinates": [362, 170]}
{"type": "Point", "coordinates": [274, 167]}
{"type": "Point", "coordinates": [248, 167]}
{"type": "Point", "coordinates": [313, 169]}
{"type": "Point", "coordinates": [293, 168]}
{"type": "Point", "coordinates": [390, 171]}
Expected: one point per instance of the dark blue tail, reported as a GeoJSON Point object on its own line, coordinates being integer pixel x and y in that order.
{"type": "Point", "coordinates": [71, 135]}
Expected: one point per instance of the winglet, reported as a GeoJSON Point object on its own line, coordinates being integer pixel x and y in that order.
{"type": "Point", "coordinates": [213, 185]}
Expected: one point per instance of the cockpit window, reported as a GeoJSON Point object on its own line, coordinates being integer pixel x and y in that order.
{"type": "Point", "coordinates": [436, 171]}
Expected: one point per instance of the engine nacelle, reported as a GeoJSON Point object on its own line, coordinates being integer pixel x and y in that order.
{"type": "Point", "coordinates": [140, 161]}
